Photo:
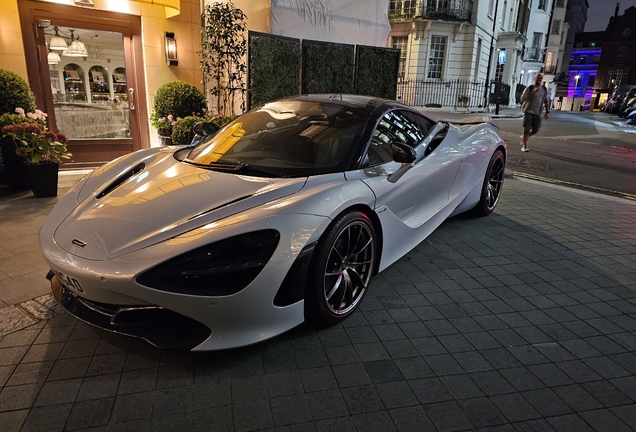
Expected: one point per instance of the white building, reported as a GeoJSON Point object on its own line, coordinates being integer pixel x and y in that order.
{"type": "Point", "coordinates": [446, 40]}
{"type": "Point", "coordinates": [534, 53]}
{"type": "Point", "coordinates": [556, 41]}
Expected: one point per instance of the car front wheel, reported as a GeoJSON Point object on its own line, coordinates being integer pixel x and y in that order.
{"type": "Point", "coordinates": [341, 269]}
{"type": "Point", "coordinates": [493, 184]}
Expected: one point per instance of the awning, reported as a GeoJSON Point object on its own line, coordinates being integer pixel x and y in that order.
{"type": "Point", "coordinates": [171, 7]}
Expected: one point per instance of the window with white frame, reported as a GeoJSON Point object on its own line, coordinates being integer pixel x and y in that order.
{"type": "Point", "coordinates": [560, 3]}
{"type": "Point", "coordinates": [556, 26]}
{"type": "Point", "coordinates": [436, 57]}
{"type": "Point", "coordinates": [401, 43]}
{"type": "Point", "coordinates": [402, 7]}
{"type": "Point", "coordinates": [503, 18]}
{"type": "Point", "coordinates": [543, 4]}
{"type": "Point", "coordinates": [621, 54]}
{"type": "Point", "coordinates": [491, 8]}
{"type": "Point", "coordinates": [615, 77]}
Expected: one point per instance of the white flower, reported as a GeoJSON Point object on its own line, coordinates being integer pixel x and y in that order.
{"type": "Point", "coordinates": [20, 111]}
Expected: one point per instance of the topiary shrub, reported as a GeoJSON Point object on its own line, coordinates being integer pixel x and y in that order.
{"type": "Point", "coordinates": [179, 99]}
{"type": "Point", "coordinates": [15, 93]}
{"type": "Point", "coordinates": [182, 130]}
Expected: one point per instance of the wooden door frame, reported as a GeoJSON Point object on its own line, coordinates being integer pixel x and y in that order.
{"type": "Point", "coordinates": [38, 73]}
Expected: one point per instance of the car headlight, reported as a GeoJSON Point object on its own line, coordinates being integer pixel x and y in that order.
{"type": "Point", "coordinates": [218, 269]}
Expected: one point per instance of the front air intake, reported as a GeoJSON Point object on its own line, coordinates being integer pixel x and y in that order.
{"type": "Point", "coordinates": [121, 179]}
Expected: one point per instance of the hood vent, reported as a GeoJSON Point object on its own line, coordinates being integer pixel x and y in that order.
{"type": "Point", "coordinates": [218, 207]}
{"type": "Point", "coordinates": [121, 179]}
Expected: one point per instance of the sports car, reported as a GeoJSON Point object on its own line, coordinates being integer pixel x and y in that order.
{"type": "Point", "coordinates": [281, 216]}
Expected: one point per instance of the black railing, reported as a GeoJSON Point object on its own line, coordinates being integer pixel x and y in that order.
{"type": "Point", "coordinates": [535, 54]}
{"type": "Point", "coordinates": [446, 10]}
{"type": "Point", "coordinates": [441, 93]}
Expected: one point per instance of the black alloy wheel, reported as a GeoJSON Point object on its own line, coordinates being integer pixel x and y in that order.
{"type": "Point", "coordinates": [493, 184]}
{"type": "Point", "coordinates": [341, 269]}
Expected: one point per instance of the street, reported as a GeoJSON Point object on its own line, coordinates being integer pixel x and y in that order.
{"type": "Point", "coordinates": [596, 150]}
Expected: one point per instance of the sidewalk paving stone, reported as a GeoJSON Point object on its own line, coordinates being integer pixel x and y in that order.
{"type": "Point", "coordinates": [523, 320]}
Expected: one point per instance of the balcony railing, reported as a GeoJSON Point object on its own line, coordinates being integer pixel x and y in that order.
{"type": "Point", "coordinates": [445, 10]}
{"type": "Point", "coordinates": [535, 54]}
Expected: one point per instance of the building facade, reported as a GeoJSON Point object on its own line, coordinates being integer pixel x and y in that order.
{"type": "Point", "coordinates": [94, 66]}
{"type": "Point", "coordinates": [555, 49]}
{"type": "Point", "coordinates": [575, 16]}
{"type": "Point", "coordinates": [474, 42]}
{"type": "Point", "coordinates": [584, 65]}
{"type": "Point", "coordinates": [617, 64]}
{"type": "Point", "coordinates": [534, 52]}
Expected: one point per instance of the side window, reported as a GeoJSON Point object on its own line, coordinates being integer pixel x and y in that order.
{"type": "Point", "coordinates": [394, 126]}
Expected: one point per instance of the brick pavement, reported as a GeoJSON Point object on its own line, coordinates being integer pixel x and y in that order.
{"type": "Point", "coordinates": [521, 321]}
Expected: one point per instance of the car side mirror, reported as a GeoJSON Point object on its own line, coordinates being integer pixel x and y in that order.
{"type": "Point", "coordinates": [205, 128]}
{"type": "Point", "coordinates": [403, 153]}
{"type": "Point", "coordinates": [202, 130]}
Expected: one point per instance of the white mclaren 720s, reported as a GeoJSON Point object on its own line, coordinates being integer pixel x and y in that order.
{"type": "Point", "coordinates": [281, 216]}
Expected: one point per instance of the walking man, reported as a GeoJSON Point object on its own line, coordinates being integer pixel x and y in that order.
{"type": "Point", "coordinates": [533, 100]}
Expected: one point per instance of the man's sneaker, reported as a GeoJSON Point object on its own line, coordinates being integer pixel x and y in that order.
{"type": "Point", "coordinates": [524, 149]}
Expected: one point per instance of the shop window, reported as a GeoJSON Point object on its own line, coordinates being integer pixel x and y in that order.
{"type": "Point", "coordinates": [75, 91]}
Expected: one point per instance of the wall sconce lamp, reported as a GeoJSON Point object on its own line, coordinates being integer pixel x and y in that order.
{"type": "Point", "coordinates": [171, 50]}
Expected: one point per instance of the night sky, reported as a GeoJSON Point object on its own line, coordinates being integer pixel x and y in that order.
{"type": "Point", "coordinates": [600, 11]}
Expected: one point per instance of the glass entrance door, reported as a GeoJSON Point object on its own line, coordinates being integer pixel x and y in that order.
{"type": "Point", "coordinates": [88, 81]}
{"type": "Point", "coordinates": [86, 70]}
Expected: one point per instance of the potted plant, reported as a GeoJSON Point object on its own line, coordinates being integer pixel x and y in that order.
{"type": "Point", "coordinates": [173, 101]}
{"type": "Point", "coordinates": [42, 150]}
{"type": "Point", "coordinates": [16, 94]}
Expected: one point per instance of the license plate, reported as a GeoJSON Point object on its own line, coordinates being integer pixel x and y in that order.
{"type": "Point", "coordinates": [68, 281]}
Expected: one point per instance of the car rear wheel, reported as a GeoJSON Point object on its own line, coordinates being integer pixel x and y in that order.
{"type": "Point", "coordinates": [341, 269]}
{"type": "Point", "coordinates": [493, 183]}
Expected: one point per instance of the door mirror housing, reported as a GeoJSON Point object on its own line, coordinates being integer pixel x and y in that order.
{"type": "Point", "coordinates": [403, 153]}
{"type": "Point", "coordinates": [202, 130]}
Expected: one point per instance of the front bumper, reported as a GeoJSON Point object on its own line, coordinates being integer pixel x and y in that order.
{"type": "Point", "coordinates": [157, 325]}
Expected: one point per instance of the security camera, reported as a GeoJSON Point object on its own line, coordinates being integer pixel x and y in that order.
{"type": "Point", "coordinates": [44, 23]}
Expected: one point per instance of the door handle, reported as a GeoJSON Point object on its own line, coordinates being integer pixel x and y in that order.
{"type": "Point", "coordinates": [131, 98]}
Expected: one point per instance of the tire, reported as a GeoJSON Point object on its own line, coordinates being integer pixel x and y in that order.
{"type": "Point", "coordinates": [493, 184]}
{"type": "Point", "coordinates": [341, 269]}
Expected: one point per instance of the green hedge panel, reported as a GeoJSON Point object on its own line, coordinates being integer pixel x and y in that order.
{"type": "Point", "coordinates": [376, 71]}
{"type": "Point", "coordinates": [328, 67]}
{"type": "Point", "coordinates": [274, 68]}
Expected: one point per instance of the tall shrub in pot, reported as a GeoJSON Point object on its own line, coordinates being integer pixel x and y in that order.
{"type": "Point", "coordinates": [173, 101]}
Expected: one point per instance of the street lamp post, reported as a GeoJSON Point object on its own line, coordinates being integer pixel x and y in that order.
{"type": "Point", "coordinates": [576, 84]}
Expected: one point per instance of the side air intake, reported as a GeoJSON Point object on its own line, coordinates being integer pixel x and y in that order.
{"type": "Point", "coordinates": [121, 179]}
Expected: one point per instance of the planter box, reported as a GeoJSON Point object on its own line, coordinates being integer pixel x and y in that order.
{"type": "Point", "coordinates": [44, 179]}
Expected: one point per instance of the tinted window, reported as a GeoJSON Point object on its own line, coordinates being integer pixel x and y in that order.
{"type": "Point", "coordinates": [394, 126]}
{"type": "Point", "coordinates": [286, 138]}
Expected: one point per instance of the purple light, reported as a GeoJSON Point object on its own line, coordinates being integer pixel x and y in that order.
{"type": "Point", "coordinates": [592, 51]}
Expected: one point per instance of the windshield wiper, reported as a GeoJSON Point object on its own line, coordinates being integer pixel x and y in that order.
{"type": "Point", "coordinates": [259, 170]}
{"type": "Point", "coordinates": [239, 168]}
{"type": "Point", "coordinates": [225, 167]}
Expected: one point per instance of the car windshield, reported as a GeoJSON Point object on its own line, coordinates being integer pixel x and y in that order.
{"type": "Point", "coordinates": [288, 138]}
